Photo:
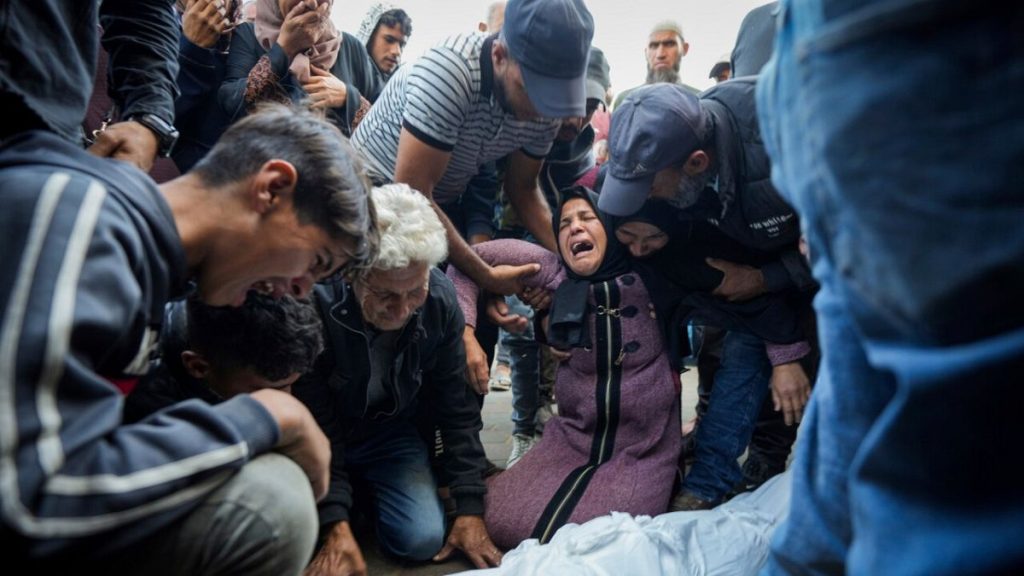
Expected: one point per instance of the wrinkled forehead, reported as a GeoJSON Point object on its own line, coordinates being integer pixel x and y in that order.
{"type": "Point", "coordinates": [576, 205]}
{"type": "Point", "coordinates": [399, 280]}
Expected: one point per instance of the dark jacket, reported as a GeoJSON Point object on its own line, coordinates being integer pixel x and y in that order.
{"type": "Point", "coordinates": [431, 375]}
{"type": "Point", "coordinates": [91, 254]}
{"type": "Point", "coordinates": [49, 50]}
{"type": "Point", "coordinates": [755, 41]}
{"type": "Point", "coordinates": [749, 208]}
{"type": "Point", "coordinates": [354, 67]}
{"type": "Point", "coordinates": [167, 381]}
{"type": "Point", "coordinates": [199, 118]}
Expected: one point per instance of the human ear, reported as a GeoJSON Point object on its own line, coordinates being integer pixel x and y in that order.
{"type": "Point", "coordinates": [696, 163]}
{"type": "Point", "coordinates": [195, 365]}
{"type": "Point", "coordinates": [275, 180]}
{"type": "Point", "coordinates": [499, 56]}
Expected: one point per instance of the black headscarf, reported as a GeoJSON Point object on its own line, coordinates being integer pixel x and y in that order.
{"type": "Point", "coordinates": [568, 326]}
{"type": "Point", "coordinates": [660, 214]}
{"type": "Point", "coordinates": [678, 277]}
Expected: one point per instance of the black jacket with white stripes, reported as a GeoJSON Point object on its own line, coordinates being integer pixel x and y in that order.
{"type": "Point", "coordinates": [90, 255]}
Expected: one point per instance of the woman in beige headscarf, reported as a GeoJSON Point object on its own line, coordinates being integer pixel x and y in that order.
{"type": "Point", "coordinates": [293, 52]}
{"type": "Point", "coordinates": [303, 28]}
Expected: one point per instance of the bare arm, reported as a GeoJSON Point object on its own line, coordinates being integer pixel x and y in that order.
{"type": "Point", "coordinates": [421, 166]}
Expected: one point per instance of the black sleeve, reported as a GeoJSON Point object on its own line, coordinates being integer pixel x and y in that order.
{"type": "Point", "coordinates": [199, 76]}
{"type": "Point", "coordinates": [314, 391]}
{"type": "Point", "coordinates": [244, 55]}
{"type": "Point", "coordinates": [790, 271]}
{"type": "Point", "coordinates": [354, 68]}
{"type": "Point", "coordinates": [457, 413]}
{"type": "Point", "coordinates": [141, 37]}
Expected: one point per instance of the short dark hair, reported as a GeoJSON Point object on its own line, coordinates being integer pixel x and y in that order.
{"type": "Point", "coordinates": [394, 17]}
{"type": "Point", "coordinates": [332, 191]}
{"type": "Point", "coordinates": [274, 338]}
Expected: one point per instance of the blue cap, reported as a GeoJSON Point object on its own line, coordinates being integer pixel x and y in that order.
{"type": "Point", "coordinates": [653, 128]}
{"type": "Point", "coordinates": [550, 39]}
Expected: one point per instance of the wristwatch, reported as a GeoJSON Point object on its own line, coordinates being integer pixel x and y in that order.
{"type": "Point", "coordinates": [166, 134]}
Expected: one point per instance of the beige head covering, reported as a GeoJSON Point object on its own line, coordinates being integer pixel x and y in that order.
{"type": "Point", "coordinates": [369, 23]}
{"type": "Point", "coordinates": [323, 54]}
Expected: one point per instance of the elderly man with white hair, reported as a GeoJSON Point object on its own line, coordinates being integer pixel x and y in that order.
{"type": "Point", "coordinates": [393, 350]}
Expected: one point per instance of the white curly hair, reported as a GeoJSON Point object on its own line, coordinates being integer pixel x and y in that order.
{"type": "Point", "coordinates": [409, 229]}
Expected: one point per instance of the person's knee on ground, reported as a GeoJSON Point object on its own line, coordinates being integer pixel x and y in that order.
{"type": "Point", "coordinates": [262, 521]}
{"type": "Point", "coordinates": [417, 541]}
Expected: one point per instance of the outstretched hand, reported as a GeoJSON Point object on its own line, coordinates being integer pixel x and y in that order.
{"type": "Point", "coordinates": [506, 280]}
{"type": "Point", "coordinates": [470, 536]}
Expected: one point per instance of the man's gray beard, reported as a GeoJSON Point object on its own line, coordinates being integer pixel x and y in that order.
{"type": "Point", "coordinates": [689, 189]}
{"type": "Point", "coordinates": [666, 75]}
{"type": "Point", "coordinates": [663, 76]}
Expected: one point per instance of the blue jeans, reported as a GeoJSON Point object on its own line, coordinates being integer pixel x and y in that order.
{"type": "Point", "coordinates": [908, 181]}
{"type": "Point", "coordinates": [741, 385]}
{"type": "Point", "coordinates": [395, 465]}
{"type": "Point", "coordinates": [524, 360]}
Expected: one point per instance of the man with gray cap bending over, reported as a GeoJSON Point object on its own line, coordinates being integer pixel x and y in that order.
{"type": "Point", "coordinates": [475, 98]}
{"type": "Point", "coordinates": [705, 156]}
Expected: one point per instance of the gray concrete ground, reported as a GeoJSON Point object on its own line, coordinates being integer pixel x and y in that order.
{"type": "Point", "coordinates": [496, 437]}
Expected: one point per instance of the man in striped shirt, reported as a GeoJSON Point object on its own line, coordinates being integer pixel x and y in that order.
{"type": "Point", "coordinates": [473, 99]}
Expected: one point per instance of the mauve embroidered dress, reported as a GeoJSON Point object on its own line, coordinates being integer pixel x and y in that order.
{"type": "Point", "coordinates": [614, 445]}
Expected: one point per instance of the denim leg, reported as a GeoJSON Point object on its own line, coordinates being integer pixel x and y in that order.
{"type": "Point", "coordinates": [741, 384]}
{"type": "Point", "coordinates": [524, 354]}
{"type": "Point", "coordinates": [410, 517]}
{"type": "Point", "coordinates": [501, 356]}
{"type": "Point", "coordinates": [909, 190]}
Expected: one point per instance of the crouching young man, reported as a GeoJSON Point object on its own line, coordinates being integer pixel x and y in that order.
{"type": "Point", "coordinates": [92, 252]}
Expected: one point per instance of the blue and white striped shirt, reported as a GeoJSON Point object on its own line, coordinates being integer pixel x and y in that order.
{"type": "Point", "coordinates": [445, 100]}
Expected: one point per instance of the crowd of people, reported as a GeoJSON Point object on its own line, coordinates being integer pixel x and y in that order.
{"type": "Point", "coordinates": [260, 275]}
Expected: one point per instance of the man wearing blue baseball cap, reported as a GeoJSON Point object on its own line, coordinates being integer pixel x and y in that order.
{"type": "Point", "coordinates": [475, 98]}
{"type": "Point", "coordinates": [704, 155]}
